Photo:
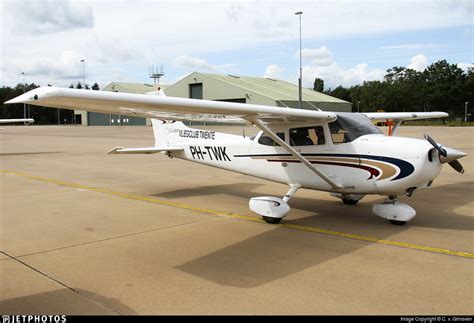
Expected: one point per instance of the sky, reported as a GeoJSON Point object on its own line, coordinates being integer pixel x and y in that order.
{"type": "Point", "coordinates": [343, 42]}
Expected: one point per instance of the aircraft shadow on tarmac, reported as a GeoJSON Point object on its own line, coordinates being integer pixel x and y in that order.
{"type": "Point", "coordinates": [64, 301]}
{"type": "Point", "coordinates": [271, 255]}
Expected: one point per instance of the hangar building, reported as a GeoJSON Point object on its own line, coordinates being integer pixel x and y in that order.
{"type": "Point", "coordinates": [254, 90]}
{"type": "Point", "coordinates": [229, 88]}
{"type": "Point", "coordinates": [102, 119]}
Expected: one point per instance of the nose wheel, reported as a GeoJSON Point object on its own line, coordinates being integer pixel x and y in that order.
{"type": "Point", "coordinates": [395, 212]}
{"type": "Point", "coordinates": [395, 222]}
{"type": "Point", "coordinates": [270, 220]}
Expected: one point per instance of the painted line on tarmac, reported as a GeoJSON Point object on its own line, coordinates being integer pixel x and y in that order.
{"type": "Point", "coordinates": [246, 217]}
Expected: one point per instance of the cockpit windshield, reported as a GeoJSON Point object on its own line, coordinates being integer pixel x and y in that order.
{"type": "Point", "coordinates": [350, 126]}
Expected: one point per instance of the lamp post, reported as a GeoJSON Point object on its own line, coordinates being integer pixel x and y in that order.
{"type": "Point", "coordinates": [24, 104]}
{"type": "Point", "coordinates": [83, 61]}
{"type": "Point", "coordinates": [465, 110]}
{"type": "Point", "coordinates": [83, 73]}
{"type": "Point", "coordinates": [300, 91]}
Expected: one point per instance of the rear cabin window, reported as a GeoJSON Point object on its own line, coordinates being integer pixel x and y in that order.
{"type": "Point", "coordinates": [307, 136]}
{"type": "Point", "coordinates": [267, 141]}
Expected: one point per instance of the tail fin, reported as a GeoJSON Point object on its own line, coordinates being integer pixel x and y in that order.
{"type": "Point", "coordinates": [166, 132]}
{"type": "Point", "coordinates": [159, 92]}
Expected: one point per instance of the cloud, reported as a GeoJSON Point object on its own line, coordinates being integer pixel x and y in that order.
{"type": "Point", "coordinates": [465, 66]}
{"type": "Point", "coordinates": [197, 64]}
{"type": "Point", "coordinates": [335, 75]}
{"type": "Point", "coordinates": [67, 66]}
{"type": "Point", "coordinates": [132, 35]}
{"type": "Point", "coordinates": [193, 63]}
{"type": "Point", "coordinates": [418, 63]}
{"type": "Point", "coordinates": [408, 46]}
{"type": "Point", "coordinates": [273, 71]}
{"type": "Point", "coordinates": [47, 16]}
{"type": "Point", "coordinates": [321, 56]}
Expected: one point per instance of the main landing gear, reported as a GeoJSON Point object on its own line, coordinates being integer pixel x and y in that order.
{"type": "Point", "coordinates": [273, 209]}
{"type": "Point", "coordinates": [350, 199]}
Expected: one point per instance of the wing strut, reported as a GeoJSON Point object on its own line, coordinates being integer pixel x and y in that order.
{"type": "Point", "coordinates": [257, 122]}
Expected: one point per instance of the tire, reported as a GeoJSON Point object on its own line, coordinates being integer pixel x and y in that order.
{"type": "Point", "coordinates": [395, 222]}
{"type": "Point", "coordinates": [271, 220]}
{"type": "Point", "coordinates": [349, 201]}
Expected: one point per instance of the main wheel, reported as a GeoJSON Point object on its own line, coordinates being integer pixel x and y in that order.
{"type": "Point", "coordinates": [271, 220]}
{"type": "Point", "coordinates": [396, 222]}
{"type": "Point", "coordinates": [349, 201]}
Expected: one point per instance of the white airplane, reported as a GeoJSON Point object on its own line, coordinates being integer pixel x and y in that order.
{"type": "Point", "coordinates": [340, 153]}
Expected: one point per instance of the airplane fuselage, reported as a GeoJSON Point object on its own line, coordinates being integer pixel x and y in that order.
{"type": "Point", "coordinates": [370, 164]}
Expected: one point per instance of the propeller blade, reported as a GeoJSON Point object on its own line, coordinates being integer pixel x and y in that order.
{"type": "Point", "coordinates": [442, 151]}
{"type": "Point", "coordinates": [457, 166]}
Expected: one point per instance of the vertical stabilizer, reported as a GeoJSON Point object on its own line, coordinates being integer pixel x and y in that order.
{"type": "Point", "coordinates": [166, 132]}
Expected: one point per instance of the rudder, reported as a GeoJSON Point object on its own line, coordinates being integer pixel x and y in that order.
{"type": "Point", "coordinates": [166, 132]}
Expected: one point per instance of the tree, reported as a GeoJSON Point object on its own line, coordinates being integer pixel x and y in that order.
{"type": "Point", "coordinates": [95, 87]}
{"type": "Point", "coordinates": [341, 93]}
{"type": "Point", "coordinates": [78, 85]}
{"type": "Point", "coordinates": [469, 87]}
{"type": "Point", "coordinates": [445, 88]}
{"type": "Point", "coordinates": [318, 85]}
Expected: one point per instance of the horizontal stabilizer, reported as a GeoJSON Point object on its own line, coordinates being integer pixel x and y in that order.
{"type": "Point", "coordinates": [144, 150]}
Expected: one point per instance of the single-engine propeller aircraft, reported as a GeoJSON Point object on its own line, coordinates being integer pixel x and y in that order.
{"type": "Point", "coordinates": [340, 153]}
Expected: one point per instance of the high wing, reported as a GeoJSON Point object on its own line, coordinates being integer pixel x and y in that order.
{"type": "Point", "coordinates": [162, 107]}
{"type": "Point", "coordinates": [402, 116]}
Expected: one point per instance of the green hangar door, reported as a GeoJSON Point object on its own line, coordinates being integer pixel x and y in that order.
{"type": "Point", "coordinates": [195, 91]}
{"type": "Point", "coordinates": [101, 119]}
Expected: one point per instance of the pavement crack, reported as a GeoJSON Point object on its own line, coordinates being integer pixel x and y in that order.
{"type": "Point", "coordinates": [111, 238]}
{"type": "Point", "coordinates": [59, 282]}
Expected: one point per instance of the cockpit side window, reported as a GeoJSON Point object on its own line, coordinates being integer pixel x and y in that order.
{"type": "Point", "coordinates": [267, 141]}
{"type": "Point", "coordinates": [338, 135]}
{"type": "Point", "coordinates": [347, 127]}
{"type": "Point", "coordinates": [307, 136]}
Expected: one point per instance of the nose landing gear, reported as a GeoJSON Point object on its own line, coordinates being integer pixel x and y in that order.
{"type": "Point", "coordinates": [395, 212]}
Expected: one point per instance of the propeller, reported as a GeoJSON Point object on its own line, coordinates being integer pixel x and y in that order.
{"type": "Point", "coordinates": [457, 166]}
{"type": "Point", "coordinates": [448, 155]}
